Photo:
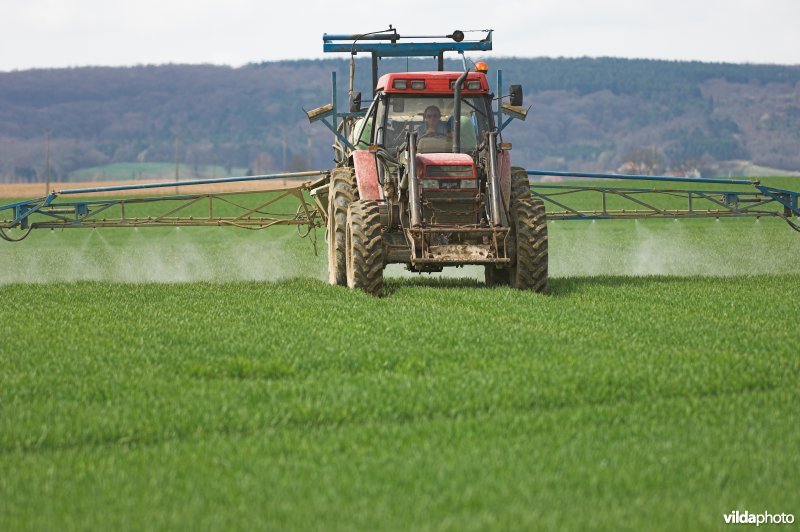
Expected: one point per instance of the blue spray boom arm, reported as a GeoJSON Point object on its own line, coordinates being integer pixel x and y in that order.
{"type": "Point", "coordinates": [768, 201]}
{"type": "Point", "coordinates": [47, 212]}
{"type": "Point", "coordinates": [393, 48]}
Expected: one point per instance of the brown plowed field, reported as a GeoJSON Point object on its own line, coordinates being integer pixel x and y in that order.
{"type": "Point", "coordinates": [34, 190]}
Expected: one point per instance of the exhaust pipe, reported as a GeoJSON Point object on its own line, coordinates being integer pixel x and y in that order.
{"type": "Point", "coordinates": [494, 181]}
{"type": "Point", "coordinates": [457, 112]}
{"type": "Point", "coordinates": [413, 184]}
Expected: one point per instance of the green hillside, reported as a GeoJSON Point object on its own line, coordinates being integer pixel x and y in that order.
{"type": "Point", "coordinates": [588, 114]}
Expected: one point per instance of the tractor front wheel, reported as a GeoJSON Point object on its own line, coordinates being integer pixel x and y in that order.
{"type": "Point", "coordinates": [341, 194]}
{"type": "Point", "coordinates": [530, 226]}
{"type": "Point", "coordinates": [365, 248]}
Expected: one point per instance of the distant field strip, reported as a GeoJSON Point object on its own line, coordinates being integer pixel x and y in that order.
{"type": "Point", "coordinates": [35, 190]}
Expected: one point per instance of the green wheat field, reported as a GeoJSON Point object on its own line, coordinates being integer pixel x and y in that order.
{"type": "Point", "coordinates": [209, 378]}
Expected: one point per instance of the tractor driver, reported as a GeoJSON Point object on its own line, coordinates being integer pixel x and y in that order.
{"type": "Point", "coordinates": [434, 127]}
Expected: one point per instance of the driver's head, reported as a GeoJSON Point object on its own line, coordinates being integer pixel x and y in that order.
{"type": "Point", "coordinates": [432, 114]}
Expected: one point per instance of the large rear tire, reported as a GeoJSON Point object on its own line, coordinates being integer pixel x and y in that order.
{"type": "Point", "coordinates": [365, 248]}
{"type": "Point", "coordinates": [341, 194]}
{"type": "Point", "coordinates": [530, 227]}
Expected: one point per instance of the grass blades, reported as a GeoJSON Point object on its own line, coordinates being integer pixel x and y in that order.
{"type": "Point", "coordinates": [445, 405]}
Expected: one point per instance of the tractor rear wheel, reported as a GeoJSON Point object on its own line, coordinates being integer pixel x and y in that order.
{"type": "Point", "coordinates": [341, 194]}
{"type": "Point", "coordinates": [530, 227]}
{"type": "Point", "coordinates": [365, 248]}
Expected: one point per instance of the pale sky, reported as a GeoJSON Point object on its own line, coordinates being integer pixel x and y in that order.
{"type": "Point", "coordinates": [60, 33]}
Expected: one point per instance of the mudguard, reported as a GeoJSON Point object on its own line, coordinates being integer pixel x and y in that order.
{"type": "Point", "coordinates": [366, 168]}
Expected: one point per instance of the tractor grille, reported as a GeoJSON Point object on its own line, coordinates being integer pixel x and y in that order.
{"type": "Point", "coordinates": [450, 177]}
{"type": "Point", "coordinates": [450, 184]}
{"type": "Point", "coordinates": [441, 170]}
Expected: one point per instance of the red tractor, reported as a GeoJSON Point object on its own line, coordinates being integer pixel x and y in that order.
{"type": "Point", "coordinates": [424, 179]}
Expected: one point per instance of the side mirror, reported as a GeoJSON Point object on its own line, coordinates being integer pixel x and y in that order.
{"type": "Point", "coordinates": [516, 95]}
{"type": "Point", "coordinates": [355, 102]}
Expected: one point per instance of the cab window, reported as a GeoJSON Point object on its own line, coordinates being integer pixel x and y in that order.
{"type": "Point", "coordinates": [406, 113]}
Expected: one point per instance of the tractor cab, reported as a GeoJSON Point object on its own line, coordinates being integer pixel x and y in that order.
{"type": "Point", "coordinates": [423, 102]}
{"type": "Point", "coordinates": [421, 106]}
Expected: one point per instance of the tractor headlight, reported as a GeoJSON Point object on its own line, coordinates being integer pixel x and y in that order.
{"type": "Point", "coordinates": [449, 184]}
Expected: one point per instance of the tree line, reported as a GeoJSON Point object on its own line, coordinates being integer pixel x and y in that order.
{"type": "Point", "coordinates": [587, 114]}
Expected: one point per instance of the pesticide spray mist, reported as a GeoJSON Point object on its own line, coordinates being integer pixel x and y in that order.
{"type": "Point", "coordinates": [158, 256]}
{"type": "Point", "coordinates": [706, 247]}
{"type": "Point", "coordinates": [619, 247]}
